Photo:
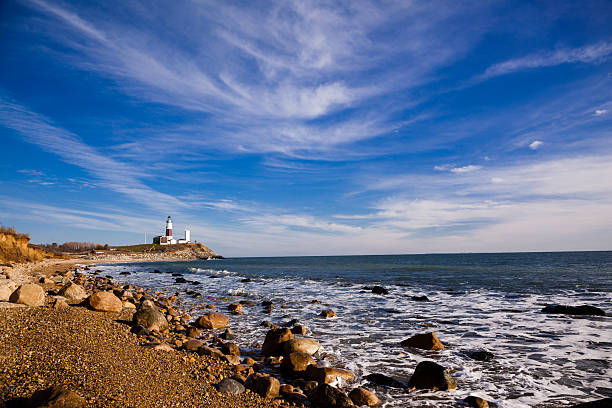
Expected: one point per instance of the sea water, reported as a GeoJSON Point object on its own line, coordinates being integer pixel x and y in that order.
{"type": "Point", "coordinates": [486, 302]}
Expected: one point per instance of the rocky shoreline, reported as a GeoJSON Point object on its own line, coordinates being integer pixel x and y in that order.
{"type": "Point", "coordinates": [71, 334]}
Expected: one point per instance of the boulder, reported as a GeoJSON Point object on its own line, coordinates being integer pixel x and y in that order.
{"type": "Point", "coordinates": [476, 402]}
{"type": "Point", "coordinates": [296, 363]}
{"type": "Point", "coordinates": [213, 320]}
{"type": "Point", "coordinates": [235, 308]}
{"type": "Point", "coordinates": [361, 396]}
{"type": "Point", "coordinates": [229, 385]}
{"type": "Point", "coordinates": [327, 314]}
{"type": "Point", "coordinates": [105, 302]}
{"type": "Point", "coordinates": [211, 352]}
{"type": "Point", "coordinates": [149, 317]}
{"type": "Point", "coordinates": [420, 298]}
{"type": "Point", "coordinates": [425, 341]}
{"type": "Point", "coordinates": [193, 345]}
{"type": "Point", "coordinates": [379, 290]}
{"type": "Point", "coordinates": [480, 355]}
{"type": "Point", "coordinates": [584, 310]}
{"type": "Point", "coordinates": [193, 332]}
{"type": "Point", "coordinates": [274, 340]}
{"type": "Point", "coordinates": [328, 375]}
{"type": "Point", "coordinates": [384, 380]}
{"type": "Point", "coordinates": [432, 376]}
{"type": "Point", "coordinates": [29, 294]}
{"type": "Point", "coordinates": [56, 397]}
{"type": "Point", "coordinates": [6, 290]}
{"type": "Point", "coordinates": [308, 346]}
{"type": "Point", "coordinates": [326, 396]}
{"type": "Point", "coordinates": [265, 386]}
{"type": "Point", "coordinates": [298, 329]}
{"type": "Point", "coordinates": [230, 349]}
{"type": "Point", "coordinates": [59, 303]}
{"type": "Point", "coordinates": [73, 292]}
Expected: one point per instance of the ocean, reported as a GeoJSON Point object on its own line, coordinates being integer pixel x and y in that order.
{"type": "Point", "coordinates": [486, 302]}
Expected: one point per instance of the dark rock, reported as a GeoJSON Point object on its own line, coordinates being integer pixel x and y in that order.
{"type": "Point", "coordinates": [477, 402]}
{"type": "Point", "coordinates": [140, 331]}
{"type": "Point", "coordinates": [384, 380]}
{"type": "Point", "coordinates": [296, 364]}
{"type": "Point", "coordinates": [420, 298]}
{"type": "Point", "coordinates": [56, 397]}
{"type": "Point", "coordinates": [480, 355]}
{"type": "Point", "coordinates": [326, 396]}
{"type": "Point", "coordinates": [327, 314]}
{"type": "Point", "coordinates": [379, 290]}
{"type": "Point", "coordinates": [193, 345]}
{"type": "Point", "coordinates": [425, 341]}
{"type": "Point", "coordinates": [245, 280]}
{"type": "Point", "coordinates": [231, 386]}
{"type": "Point", "coordinates": [361, 396]}
{"type": "Point", "coordinates": [267, 323]}
{"type": "Point", "coordinates": [583, 310]}
{"type": "Point", "coordinates": [602, 403]}
{"type": "Point", "coordinates": [228, 334]}
{"type": "Point", "coordinates": [156, 271]}
{"type": "Point", "coordinates": [298, 329]}
{"type": "Point", "coordinates": [267, 303]}
{"type": "Point", "coordinates": [432, 376]}
{"type": "Point", "coordinates": [265, 386]}
{"type": "Point", "coordinates": [149, 317]}
{"type": "Point", "coordinates": [181, 280]}
{"type": "Point", "coordinates": [177, 274]}
{"type": "Point", "coordinates": [273, 343]}
{"type": "Point", "coordinates": [125, 273]}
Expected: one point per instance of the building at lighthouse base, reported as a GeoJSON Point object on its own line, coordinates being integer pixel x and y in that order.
{"type": "Point", "coordinates": [168, 239]}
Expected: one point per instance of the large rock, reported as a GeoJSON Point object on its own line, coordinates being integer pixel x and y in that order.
{"type": "Point", "coordinates": [213, 320]}
{"type": "Point", "coordinates": [273, 343]}
{"type": "Point", "coordinates": [308, 346]}
{"type": "Point", "coordinates": [379, 290]}
{"type": "Point", "coordinates": [425, 341]}
{"type": "Point", "coordinates": [384, 380]}
{"type": "Point", "coordinates": [29, 294]}
{"type": "Point", "coordinates": [584, 310]}
{"type": "Point", "coordinates": [480, 355]}
{"type": "Point", "coordinates": [602, 403]}
{"type": "Point", "coordinates": [296, 363]}
{"type": "Point", "coordinates": [266, 386]}
{"type": "Point", "coordinates": [105, 302]}
{"type": "Point", "coordinates": [432, 376]}
{"type": "Point", "coordinates": [73, 292]}
{"type": "Point", "coordinates": [328, 375]}
{"type": "Point", "coordinates": [229, 385]}
{"type": "Point", "coordinates": [476, 402]}
{"type": "Point", "coordinates": [193, 344]}
{"type": "Point", "coordinates": [149, 317]}
{"type": "Point", "coordinates": [56, 397]}
{"type": "Point", "coordinates": [326, 396]}
{"type": "Point", "coordinates": [327, 314]}
{"type": "Point", "coordinates": [6, 290]}
{"type": "Point", "coordinates": [361, 396]}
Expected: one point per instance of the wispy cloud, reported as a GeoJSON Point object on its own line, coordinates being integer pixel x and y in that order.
{"type": "Point", "coordinates": [466, 169]}
{"type": "Point", "coordinates": [590, 54]}
{"type": "Point", "coordinates": [116, 176]}
{"type": "Point", "coordinates": [536, 144]}
{"type": "Point", "coordinates": [599, 112]}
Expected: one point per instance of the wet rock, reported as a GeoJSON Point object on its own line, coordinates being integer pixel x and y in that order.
{"type": "Point", "coordinates": [425, 341]}
{"type": "Point", "coordinates": [149, 317]}
{"type": "Point", "coordinates": [181, 280]}
{"type": "Point", "coordinates": [247, 303]}
{"type": "Point", "coordinates": [328, 375]}
{"type": "Point", "coordinates": [156, 271]}
{"type": "Point", "coordinates": [140, 331]}
{"type": "Point", "coordinates": [327, 314]}
{"type": "Point", "coordinates": [361, 396]}
{"type": "Point", "coordinates": [267, 303]}
{"type": "Point", "coordinates": [235, 308]}
{"type": "Point", "coordinates": [480, 355]}
{"type": "Point", "coordinates": [211, 352]}
{"type": "Point", "coordinates": [213, 320]}
{"type": "Point", "coordinates": [229, 385]}
{"type": "Point", "coordinates": [29, 294]}
{"type": "Point", "coordinates": [296, 363]}
{"type": "Point", "coordinates": [105, 302]}
{"type": "Point", "coordinates": [56, 397]}
{"type": "Point", "coordinates": [295, 397]}
{"type": "Point", "coordinates": [326, 396]}
{"type": "Point", "coordinates": [193, 345]}
{"type": "Point", "coordinates": [379, 290]}
{"type": "Point", "coordinates": [307, 346]}
{"type": "Point", "coordinates": [193, 332]}
{"type": "Point", "coordinates": [384, 380]}
{"type": "Point", "coordinates": [274, 339]}
{"type": "Point", "coordinates": [245, 280]}
{"type": "Point", "coordinates": [432, 376]}
{"type": "Point", "coordinates": [420, 298]}
{"type": "Point", "coordinates": [228, 334]}
{"type": "Point", "coordinates": [602, 403]}
{"type": "Point", "coordinates": [476, 402]}
{"type": "Point", "coordinates": [265, 386]}
{"type": "Point", "coordinates": [230, 349]}
{"type": "Point", "coordinates": [233, 360]}
{"type": "Point", "coordinates": [584, 310]}
{"type": "Point", "coordinates": [267, 323]}
{"type": "Point", "coordinates": [298, 329]}
{"type": "Point", "coordinates": [73, 292]}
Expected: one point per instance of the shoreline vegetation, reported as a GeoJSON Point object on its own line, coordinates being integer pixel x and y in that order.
{"type": "Point", "coordinates": [72, 338]}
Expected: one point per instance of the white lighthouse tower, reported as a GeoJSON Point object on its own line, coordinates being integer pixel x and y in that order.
{"type": "Point", "coordinates": [169, 228]}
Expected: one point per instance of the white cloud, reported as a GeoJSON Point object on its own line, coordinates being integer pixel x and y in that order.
{"type": "Point", "coordinates": [594, 53]}
{"type": "Point", "coordinates": [536, 144]}
{"type": "Point", "coordinates": [599, 112]}
{"type": "Point", "coordinates": [497, 180]}
{"type": "Point", "coordinates": [466, 169]}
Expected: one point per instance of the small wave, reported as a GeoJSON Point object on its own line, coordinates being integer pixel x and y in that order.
{"type": "Point", "coordinates": [211, 271]}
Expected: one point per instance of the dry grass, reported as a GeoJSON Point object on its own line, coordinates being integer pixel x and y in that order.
{"type": "Point", "coordinates": [11, 231]}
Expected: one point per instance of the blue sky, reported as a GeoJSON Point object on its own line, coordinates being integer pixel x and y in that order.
{"type": "Point", "coordinates": [309, 128]}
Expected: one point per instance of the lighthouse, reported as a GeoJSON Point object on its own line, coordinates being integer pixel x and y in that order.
{"type": "Point", "coordinates": [169, 228]}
